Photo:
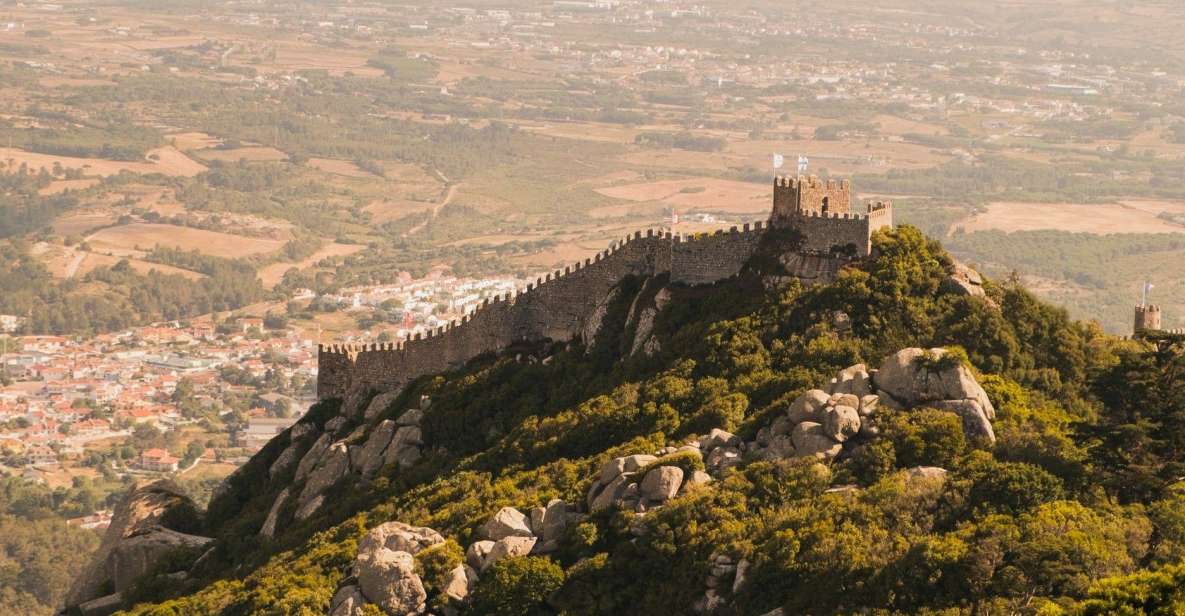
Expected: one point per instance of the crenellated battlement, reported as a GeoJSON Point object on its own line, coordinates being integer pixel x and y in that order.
{"type": "Point", "coordinates": [1147, 318]}
{"type": "Point", "coordinates": [559, 304]}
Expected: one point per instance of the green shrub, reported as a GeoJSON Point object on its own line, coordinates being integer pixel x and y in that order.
{"type": "Point", "coordinates": [925, 437]}
{"type": "Point", "coordinates": [517, 587]}
{"type": "Point", "coordinates": [435, 563]}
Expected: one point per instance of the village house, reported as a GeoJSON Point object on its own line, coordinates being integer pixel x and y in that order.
{"type": "Point", "coordinates": [39, 455]}
{"type": "Point", "coordinates": [158, 460]}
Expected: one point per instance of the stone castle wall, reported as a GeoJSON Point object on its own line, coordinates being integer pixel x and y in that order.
{"type": "Point", "coordinates": [825, 232]}
{"type": "Point", "coordinates": [555, 307]}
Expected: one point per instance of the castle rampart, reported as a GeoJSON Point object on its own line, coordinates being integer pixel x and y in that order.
{"type": "Point", "coordinates": [557, 306]}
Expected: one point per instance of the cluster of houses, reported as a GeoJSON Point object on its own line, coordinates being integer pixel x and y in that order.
{"type": "Point", "coordinates": [59, 394]}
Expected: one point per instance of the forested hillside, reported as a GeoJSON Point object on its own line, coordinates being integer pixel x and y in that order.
{"type": "Point", "coordinates": [1069, 502]}
{"type": "Point", "coordinates": [39, 552]}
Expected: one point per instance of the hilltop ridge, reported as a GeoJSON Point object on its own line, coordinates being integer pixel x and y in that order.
{"type": "Point", "coordinates": [900, 438]}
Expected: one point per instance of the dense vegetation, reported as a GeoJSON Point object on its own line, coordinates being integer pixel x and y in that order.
{"type": "Point", "coordinates": [38, 550]}
{"type": "Point", "coordinates": [1075, 509]}
{"type": "Point", "coordinates": [116, 297]}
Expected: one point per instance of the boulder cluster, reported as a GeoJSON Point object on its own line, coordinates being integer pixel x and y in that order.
{"type": "Point", "coordinates": [643, 482]}
{"type": "Point", "coordinates": [510, 532]}
{"type": "Point", "coordinates": [820, 423]}
{"type": "Point", "coordinates": [384, 571]}
{"type": "Point", "coordinates": [331, 457]}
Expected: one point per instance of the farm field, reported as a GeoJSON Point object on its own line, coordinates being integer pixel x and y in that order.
{"type": "Point", "coordinates": [167, 160]}
{"type": "Point", "coordinates": [689, 195]}
{"type": "Point", "coordinates": [272, 274]}
{"type": "Point", "coordinates": [1098, 218]}
{"type": "Point", "coordinates": [134, 239]}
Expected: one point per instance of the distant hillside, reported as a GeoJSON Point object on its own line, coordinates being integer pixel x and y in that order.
{"type": "Point", "coordinates": [902, 440]}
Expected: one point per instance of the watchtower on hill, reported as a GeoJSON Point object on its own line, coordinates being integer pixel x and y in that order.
{"type": "Point", "coordinates": [821, 211]}
{"type": "Point", "coordinates": [1147, 318]}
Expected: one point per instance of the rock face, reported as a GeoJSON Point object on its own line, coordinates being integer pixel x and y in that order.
{"type": "Point", "coordinates": [370, 460]}
{"type": "Point", "coordinates": [139, 554]}
{"type": "Point", "coordinates": [642, 315]}
{"type": "Point", "coordinates": [810, 439]}
{"type": "Point", "coordinates": [385, 569]}
{"type": "Point", "coordinates": [379, 404]}
{"type": "Point", "coordinates": [508, 522]}
{"type": "Point", "coordinates": [592, 325]}
{"type": "Point", "coordinates": [964, 281]}
{"type": "Point", "coordinates": [405, 446]}
{"type": "Point", "coordinates": [662, 484]}
{"type": "Point", "coordinates": [508, 547]}
{"type": "Point", "coordinates": [914, 377]}
{"type": "Point", "coordinates": [330, 468]}
{"type": "Point", "coordinates": [273, 515]}
{"type": "Point", "coordinates": [399, 537]}
{"type": "Point", "coordinates": [312, 456]}
{"type": "Point", "coordinates": [388, 579]}
{"type": "Point", "coordinates": [347, 601]}
{"type": "Point", "coordinates": [135, 540]}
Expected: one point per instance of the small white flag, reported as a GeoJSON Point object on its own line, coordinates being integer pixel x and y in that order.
{"type": "Point", "coordinates": [779, 160]}
{"type": "Point", "coordinates": [802, 163]}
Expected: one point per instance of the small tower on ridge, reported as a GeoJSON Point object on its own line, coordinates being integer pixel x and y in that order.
{"type": "Point", "coordinates": [1147, 318]}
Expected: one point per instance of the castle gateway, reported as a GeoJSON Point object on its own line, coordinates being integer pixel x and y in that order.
{"type": "Point", "coordinates": [564, 304]}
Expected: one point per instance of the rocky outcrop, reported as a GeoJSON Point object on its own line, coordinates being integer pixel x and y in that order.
{"type": "Point", "coordinates": [400, 537]}
{"type": "Point", "coordinates": [964, 281]}
{"type": "Point", "coordinates": [824, 424]}
{"type": "Point", "coordinates": [388, 579]}
{"type": "Point", "coordinates": [915, 377]}
{"type": "Point", "coordinates": [508, 547]}
{"type": "Point", "coordinates": [103, 606]}
{"type": "Point", "coordinates": [508, 522]}
{"type": "Point", "coordinates": [347, 601]}
{"type": "Point", "coordinates": [642, 315]}
{"type": "Point", "coordinates": [661, 484]}
{"type": "Point", "coordinates": [331, 458]}
{"type": "Point", "coordinates": [330, 469]}
{"type": "Point", "coordinates": [406, 446]}
{"type": "Point", "coordinates": [643, 482]}
{"type": "Point", "coordinates": [370, 458]}
{"type": "Point", "coordinates": [312, 456]}
{"type": "Point", "coordinates": [146, 524]}
{"type": "Point", "coordinates": [385, 572]}
{"type": "Point", "coordinates": [273, 515]}
{"type": "Point", "coordinates": [138, 554]}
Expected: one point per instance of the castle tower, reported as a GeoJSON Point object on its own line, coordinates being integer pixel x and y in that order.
{"type": "Point", "coordinates": [794, 196]}
{"type": "Point", "coordinates": [821, 212]}
{"type": "Point", "coordinates": [1147, 318]}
